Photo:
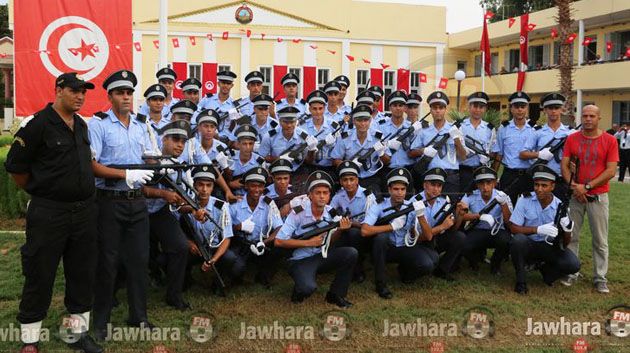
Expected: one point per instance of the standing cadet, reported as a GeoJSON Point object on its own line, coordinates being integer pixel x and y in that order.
{"type": "Point", "coordinates": [280, 189]}
{"type": "Point", "coordinates": [244, 159]}
{"type": "Point", "coordinates": [413, 107]}
{"type": "Point", "coordinates": [534, 229]}
{"type": "Point", "coordinates": [289, 85]}
{"type": "Point", "coordinates": [221, 102]}
{"type": "Point", "coordinates": [490, 226]}
{"type": "Point", "coordinates": [542, 140]}
{"type": "Point", "coordinates": [396, 241]}
{"type": "Point", "coordinates": [50, 159]}
{"type": "Point", "coordinates": [344, 81]}
{"type": "Point", "coordinates": [307, 259]}
{"type": "Point", "coordinates": [190, 89]}
{"type": "Point", "coordinates": [511, 138]}
{"type": "Point", "coordinates": [262, 121]}
{"type": "Point", "coordinates": [333, 112]}
{"type": "Point", "coordinates": [254, 81]}
{"type": "Point", "coordinates": [166, 78]}
{"type": "Point", "coordinates": [452, 151]}
{"type": "Point", "coordinates": [322, 128]}
{"type": "Point", "coordinates": [481, 131]}
{"type": "Point", "coordinates": [155, 96]}
{"type": "Point", "coordinates": [378, 98]}
{"type": "Point", "coordinates": [117, 137]}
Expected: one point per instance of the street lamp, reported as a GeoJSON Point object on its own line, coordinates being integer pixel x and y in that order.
{"type": "Point", "coordinates": [459, 76]}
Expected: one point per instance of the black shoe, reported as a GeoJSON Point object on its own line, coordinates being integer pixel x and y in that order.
{"type": "Point", "coordinates": [521, 288]}
{"type": "Point", "coordinates": [439, 273]}
{"type": "Point", "coordinates": [341, 302]}
{"type": "Point", "coordinates": [383, 291]}
{"type": "Point", "coordinates": [296, 297]}
{"type": "Point", "coordinates": [86, 344]}
{"type": "Point", "coordinates": [179, 305]}
{"type": "Point", "coordinates": [141, 324]}
{"type": "Point", "coordinates": [30, 348]}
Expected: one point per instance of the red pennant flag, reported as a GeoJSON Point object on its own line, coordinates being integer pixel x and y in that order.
{"type": "Point", "coordinates": [175, 42]}
{"type": "Point", "coordinates": [280, 40]}
{"type": "Point", "coordinates": [297, 40]}
{"type": "Point", "coordinates": [226, 35]}
{"type": "Point", "coordinates": [350, 57]}
{"type": "Point", "coordinates": [571, 38]}
{"type": "Point", "coordinates": [366, 61]}
{"type": "Point", "coordinates": [511, 22]}
{"type": "Point", "coordinates": [524, 41]}
{"type": "Point", "coordinates": [609, 46]}
{"type": "Point", "coordinates": [193, 40]}
{"type": "Point", "coordinates": [423, 77]}
{"type": "Point", "coordinates": [248, 33]}
{"type": "Point", "coordinates": [137, 46]}
{"type": "Point", "coordinates": [331, 51]}
{"type": "Point", "coordinates": [530, 27]}
{"type": "Point", "coordinates": [443, 83]}
{"type": "Point", "coordinates": [384, 66]}
{"type": "Point", "coordinates": [484, 46]}
{"type": "Point", "coordinates": [156, 44]}
{"type": "Point", "coordinates": [554, 33]}
{"type": "Point", "coordinates": [489, 14]}
{"type": "Point", "coordinates": [313, 46]}
{"type": "Point", "coordinates": [628, 52]}
{"type": "Point", "coordinates": [209, 36]}
{"type": "Point", "coordinates": [587, 41]}
{"type": "Point", "coordinates": [262, 36]}
{"type": "Point", "coordinates": [3, 55]}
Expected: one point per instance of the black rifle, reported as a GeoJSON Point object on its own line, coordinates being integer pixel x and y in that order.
{"type": "Point", "coordinates": [554, 149]}
{"type": "Point", "coordinates": [563, 209]}
{"type": "Point", "coordinates": [438, 142]}
{"type": "Point", "coordinates": [330, 225]}
{"type": "Point", "coordinates": [280, 201]}
{"type": "Point", "coordinates": [489, 207]}
{"type": "Point", "coordinates": [408, 133]}
{"type": "Point", "coordinates": [296, 150]}
{"type": "Point", "coordinates": [448, 209]}
{"type": "Point", "coordinates": [402, 211]}
{"type": "Point", "coordinates": [362, 155]}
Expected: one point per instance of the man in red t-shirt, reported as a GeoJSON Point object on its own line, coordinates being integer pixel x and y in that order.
{"type": "Point", "coordinates": [598, 156]}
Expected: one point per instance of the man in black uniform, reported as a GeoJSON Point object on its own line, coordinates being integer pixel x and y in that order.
{"type": "Point", "coordinates": [50, 158]}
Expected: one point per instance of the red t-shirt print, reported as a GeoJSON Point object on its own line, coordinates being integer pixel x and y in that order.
{"type": "Point", "coordinates": [593, 154]}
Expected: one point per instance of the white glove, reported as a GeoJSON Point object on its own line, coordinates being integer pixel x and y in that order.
{"type": "Point", "coordinates": [256, 146]}
{"type": "Point", "coordinates": [152, 153]}
{"type": "Point", "coordinates": [455, 133]}
{"type": "Point", "coordinates": [418, 206]}
{"type": "Point", "coordinates": [141, 176]}
{"type": "Point", "coordinates": [484, 159]}
{"type": "Point", "coordinates": [566, 224]}
{"type": "Point", "coordinates": [548, 230]}
{"type": "Point", "coordinates": [330, 140]}
{"type": "Point", "coordinates": [429, 151]}
{"type": "Point", "coordinates": [379, 148]}
{"type": "Point", "coordinates": [167, 171]}
{"type": "Point", "coordinates": [417, 126]}
{"type": "Point", "coordinates": [247, 226]}
{"type": "Point", "coordinates": [311, 143]}
{"type": "Point", "coordinates": [487, 218]}
{"type": "Point", "coordinates": [337, 218]}
{"type": "Point", "coordinates": [398, 223]}
{"type": "Point", "coordinates": [545, 154]}
{"type": "Point", "coordinates": [286, 156]}
{"type": "Point", "coordinates": [298, 201]}
{"type": "Point", "coordinates": [222, 159]}
{"type": "Point", "coordinates": [501, 197]}
{"type": "Point", "coordinates": [234, 114]}
{"type": "Point", "coordinates": [394, 144]}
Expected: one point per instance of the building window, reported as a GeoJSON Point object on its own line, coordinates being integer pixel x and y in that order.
{"type": "Point", "coordinates": [621, 112]}
{"type": "Point", "coordinates": [267, 79]}
{"type": "Point", "coordinates": [322, 77]}
{"type": "Point", "coordinates": [512, 60]}
{"type": "Point", "coordinates": [590, 51]}
{"type": "Point", "coordinates": [363, 76]}
{"type": "Point", "coordinates": [461, 65]}
{"type": "Point", "coordinates": [389, 85]}
{"type": "Point", "coordinates": [414, 84]}
{"type": "Point", "coordinates": [494, 66]}
{"type": "Point", "coordinates": [620, 41]}
{"type": "Point", "coordinates": [224, 68]}
{"type": "Point", "coordinates": [477, 65]}
{"type": "Point", "coordinates": [297, 72]}
{"type": "Point", "coordinates": [194, 71]}
{"type": "Point", "coordinates": [556, 52]}
{"type": "Point", "coordinates": [538, 56]}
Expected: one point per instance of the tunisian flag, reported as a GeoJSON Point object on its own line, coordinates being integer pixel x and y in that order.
{"type": "Point", "coordinates": [57, 36]}
{"type": "Point", "coordinates": [484, 46]}
{"type": "Point", "coordinates": [524, 59]}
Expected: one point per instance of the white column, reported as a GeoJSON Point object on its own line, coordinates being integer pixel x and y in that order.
{"type": "Point", "coordinates": [581, 40]}
{"type": "Point", "coordinates": [245, 52]}
{"type": "Point", "coordinates": [439, 64]}
{"type": "Point", "coordinates": [578, 110]}
{"type": "Point", "coordinates": [345, 63]}
{"type": "Point", "coordinates": [209, 51]}
{"type": "Point", "coordinates": [376, 56]}
{"type": "Point", "coordinates": [137, 70]}
{"type": "Point", "coordinates": [310, 55]}
{"type": "Point", "coordinates": [180, 54]}
{"type": "Point", "coordinates": [163, 32]}
{"type": "Point", "coordinates": [403, 57]}
{"type": "Point", "coordinates": [280, 53]}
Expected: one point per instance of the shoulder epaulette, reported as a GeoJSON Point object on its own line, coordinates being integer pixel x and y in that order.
{"type": "Point", "coordinates": [505, 123]}
{"type": "Point", "coordinates": [266, 191]}
{"type": "Point", "coordinates": [272, 132]}
{"type": "Point", "coordinates": [531, 122]}
{"type": "Point", "coordinates": [526, 194]}
{"type": "Point", "coordinates": [382, 121]}
{"type": "Point", "coordinates": [236, 102]}
{"type": "Point", "coordinates": [378, 135]}
{"type": "Point", "coordinates": [490, 126]}
{"type": "Point", "coordinates": [303, 101]}
{"type": "Point", "coordinates": [100, 115]}
{"type": "Point", "coordinates": [267, 199]}
{"type": "Point", "coordinates": [279, 101]}
{"type": "Point", "coordinates": [537, 127]}
{"type": "Point", "coordinates": [388, 115]}
{"type": "Point", "coordinates": [27, 120]}
{"type": "Point", "coordinates": [260, 160]}
{"type": "Point", "coordinates": [344, 134]}
{"type": "Point", "coordinates": [303, 135]}
{"type": "Point", "coordinates": [334, 125]}
{"type": "Point", "coordinates": [425, 124]}
{"type": "Point", "coordinates": [141, 118]}
{"type": "Point", "coordinates": [367, 192]}
{"type": "Point", "coordinates": [273, 124]}
{"type": "Point", "coordinates": [219, 204]}
{"type": "Point", "coordinates": [209, 95]}
{"type": "Point", "coordinates": [297, 209]}
{"type": "Point", "coordinates": [379, 199]}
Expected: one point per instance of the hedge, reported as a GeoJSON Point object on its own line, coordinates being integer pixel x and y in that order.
{"type": "Point", "coordinates": [12, 199]}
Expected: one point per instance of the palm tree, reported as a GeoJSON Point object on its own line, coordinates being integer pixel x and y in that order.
{"type": "Point", "coordinates": [566, 57]}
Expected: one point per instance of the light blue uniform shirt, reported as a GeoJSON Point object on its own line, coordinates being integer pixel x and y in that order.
{"type": "Point", "coordinates": [213, 151]}
{"type": "Point", "coordinates": [510, 142]}
{"type": "Point", "coordinates": [397, 237]}
{"type": "Point", "coordinates": [431, 211]}
{"type": "Point", "coordinates": [217, 215]}
{"type": "Point", "coordinates": [342, 202]}
{"type": "Point", "coordinates": [476, 203]}
{"type": "Point", "coordinates": [270, 191]}
{"type": "Point", "coordinates": [449, 161]}
{"type": "Point", "coordinates": [220, 107]}
{"type": "Point", "coordinates": [293, 226]}
{"type": "Point", "coordinates": [262, 216]}
{"type": "Point", "coordinates": [299, 104]}
{"type": "Point", "coordinates": [541, 137]}
{"type": "Point", "coordinates": [347, 147]}
{"type": "Point", "coordinates": [246, 106]}
{"type": "Point", "coordinates": [322, 156]}
{"type": "Point", "coordinates": [276, 144]}
{"type": "Point", "coordinates": [338, 116]}
{"type": "Point", "coordinates": [114, 143]}
{"type": "Point", "coordinates": [399, 157]}
{"type": "Point", "coordinates": [529, 213]}
{"type": "Point", "coordinates": [481, 133]}
{"type": "Point", "coordinates": [166, 109]}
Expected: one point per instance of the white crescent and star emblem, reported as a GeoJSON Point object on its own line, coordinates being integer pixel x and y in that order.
{"type": "Point", "coordinates": [124, 74]}
{"type": "Point", "coordinates": [178, 84]}
{"type": "Point", "coordinates": [209, 85]}
{"type": "Point", "coordinates": [318, 175]}
{"type": "Point", "coordinates": [400, 172]}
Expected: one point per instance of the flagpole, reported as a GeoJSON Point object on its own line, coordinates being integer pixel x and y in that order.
{"type": "Point", "coordinates": [483, 71]}
{"type": "Point", "coordinates": [163, 32]}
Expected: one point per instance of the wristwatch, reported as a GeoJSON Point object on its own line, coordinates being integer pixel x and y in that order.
{"type": "Point", "coordinates": [588, 187]}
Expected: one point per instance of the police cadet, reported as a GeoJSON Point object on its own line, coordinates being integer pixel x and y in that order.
{"type": "Point", "coordinates": [166, 78]}
{"type": "Point", "coordinates": [255, 222]}
{"type": "Point", "coordinates": [532, 223]}
{"type": "Point", "coordinates": [446, 238]}
{"type": "Point", "coordinates": [262, 121]}
{"type": "Point", "coordinates": [378, 97]}
{"type": "Point", "coordinates": [396, 241]}
{"type": "Point", "coordinates": [540, 142]}
{"type": "Point", "coordinates": [490, 226]}
{"type": "Point", "coordinates": [117, 137]}
{"type": "Point", "coordinates": [322, 128]}
{"type": "Point", "coordinates": [280, 188]}
{"type": "Point", "coordinates": [446, 158]}
{"type": "Point", "coordinates": [163, 225]}
{"type": "Point", "coordinates": [221, 102]}
{"type": "Point", "coordinates": [511, 138]}
{"type": "Point", "coordinates": [353, 200]}
{"type": "Point", "coordinates": [50, 159]}
{"type": "Point", "coordinates": [190, 89]}
{"type": "Point", "coordinates": [344, 81]}
{"type": "Point", "coordinates": [290, 83]}
{"type": "Point", "coordinates": [357, 143]}
{"type": "Point", "coordinates": [244, 159]}
{"type": "Point", "coordinates": [333, 112]}
{"type": "Point", "coordinates": [155, 96]}
{"type": "Point", "coordinates": [481, 131]}
{"type": "Point", "coordinates": [364, 98]}
{"type": "Point", "coordinates": [307, 259]}
{"type": "Point", "coordinates": [278, 142]}
{"type": "Point", "coordinates": [254, 81]}
{"type": "Point", "coordinates": [412, 107]}
{"type": "Point", "coordinates": [216, 231]}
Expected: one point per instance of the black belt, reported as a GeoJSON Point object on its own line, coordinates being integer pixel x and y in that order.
{"type": "Point", "coordinates": [120, 194]}
{"type": "Point", "coordinates": [68, 206]}
{"type": "Point", "coordinates": [519, 171]}
{"type": "Point", "coordinates": [467, 167]}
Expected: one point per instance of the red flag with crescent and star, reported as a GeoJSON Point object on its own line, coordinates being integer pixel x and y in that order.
{"type": "Point", "coordinates": [57, 36]}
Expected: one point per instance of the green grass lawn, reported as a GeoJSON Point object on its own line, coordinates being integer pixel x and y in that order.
{"type": "Point", "coordinates": [430, 299]}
